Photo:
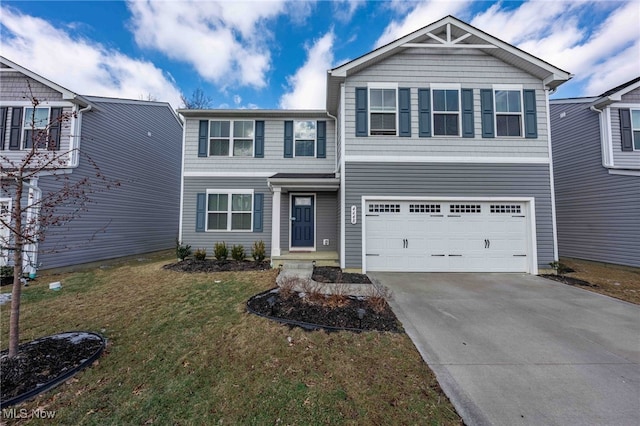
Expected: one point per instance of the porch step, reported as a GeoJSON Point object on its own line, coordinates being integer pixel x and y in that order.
{"type": "Point", "coordinates": [295, 259]}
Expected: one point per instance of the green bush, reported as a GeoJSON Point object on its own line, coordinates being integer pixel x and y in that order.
{"type": "Point", "coordinates": [237, 252]}
{"type": "Point", "coordinates": [6, 271]}
{"type": "Point", "coordinates": [560, 267]}
{"type": "Point", "coordinates": [182, 251]}
{"type": "Point", "coordinates": [200, 254]}
{"type": "Point", "coordinates": [220, 251]}
{"type": "Point", "coordinates": [258, 251]}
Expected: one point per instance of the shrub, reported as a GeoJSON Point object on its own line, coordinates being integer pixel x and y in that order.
{"type": "Point", "coordinates": [560, 268]}
{"type": "Point", "coordinates": [182, 251]}
{"type": "Point", "coordinates": [220, 251]}
{"type": "Point", "coordinates": [200, 254]}
{"type": "Point", "coordinates": [258, 251]}
{"type": "Point", "coordinates": [378, 297]}
{"type": "Point", "coordinates": [237, 252]}
{"type": "Point", "coordinates": [6, 271]}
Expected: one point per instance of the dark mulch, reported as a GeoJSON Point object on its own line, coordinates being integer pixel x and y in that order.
{"type": "Point", "coordinates": [43, 360]}
{"type": "Point", "coordinates": [337, 311]}
{"type": "Point", "coordinates": [213, 265]}
{"type": "Point", "coordinates": [569, 280]}
{"type": "Point", "coordinates": [332, 274]}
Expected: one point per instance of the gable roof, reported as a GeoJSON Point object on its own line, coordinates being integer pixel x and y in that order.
{"type": "Point", "coordinates": [448, 33]}
{"type": "Point", "coordinates": [615, 94]}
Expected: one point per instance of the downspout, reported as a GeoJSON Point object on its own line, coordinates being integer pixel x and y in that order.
{"type": "Point", "coordinates": [74, 161]}
{"type": "Point", "coordinates": [335, 138]}
{"type": "Point", "coordinates": [603, 139]}
{"type": "Point", "coordinates": [551, 182]}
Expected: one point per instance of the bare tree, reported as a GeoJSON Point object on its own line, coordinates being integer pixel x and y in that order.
{"type": "Point", "coordinates": [198, 100]}
{"type": "Point", "coordinates": [34, 212]}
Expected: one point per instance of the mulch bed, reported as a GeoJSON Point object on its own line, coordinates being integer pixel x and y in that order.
{"type": "Point", "coordinates": [333, 274]}
{"type": "Point", "coordinates": [43, 360]}
{"type": "Point", "coordinates": [330, 311]}
{"type": "Point", "coordinates": [569, 280]}
{"type": "Point", "coordinates": [213, 265]}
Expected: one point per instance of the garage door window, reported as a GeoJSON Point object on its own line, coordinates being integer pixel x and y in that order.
{"type": "Point", "coordinates": [464, 208]}
{"type": "Point", "coordinates": [384, 208]}
{"type": "Point", "coordinates": [505, 208]}
{"type": "Point", "coordinates": [424, 208]}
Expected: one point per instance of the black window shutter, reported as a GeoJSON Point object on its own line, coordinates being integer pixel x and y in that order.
{"type": "Point", "coordinates": [3, 125]}
{"type": "Point", "coordinates": [202, 138]}
{"type": "Point", "coordinates": [322, 139]}
{"type": "Point", "coordinates": [288, 139]}
{"type": "Point", "coordinates": [15, 133]}
{"type": "Point", "coordinates": [259, 152]}
{"type": "Point", "coordinates": [361, 112]}
{"type": "Point", "coordinates": [201, 211]}
{"type": "Point", "coordinates": [530, 114]}
{"type": "Point", "coordinates": [258, 204]}
{"type": "Point", "coordinates": [55, 129]}
{"type": "Point", "coordinates": [468, 130]}
{"type": "Point", "coordinates": [625, 129]}
{"type": "Point", "coordinates": [424, 113]}
{"type": "Point", "coordinates": [486, 105]}
{"type": "Point", "coordinates": [404, 101]}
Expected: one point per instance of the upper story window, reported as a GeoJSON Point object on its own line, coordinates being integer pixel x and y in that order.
{"type": "Point", "coordinates": [635, 127]}
{"type": "Point", "coordinates": [305, 138]}
{"type": "Point", "coordinates": [508, 112]}
{"type": "Point", "coordinates": [383, 112]}
{"type": "Point", "coordinates": [229, 211]}
{"type": "Point", "coordinates": [446, 112]}
{"type": "Point", "coordinates": [231, 138]}
{"type": "Point", "coordinates": [34, 127]}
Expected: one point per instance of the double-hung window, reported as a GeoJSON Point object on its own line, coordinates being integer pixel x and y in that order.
{"type": "Point", "coordinates": [229, 210]}
{"type": "Point", "coordinates": [508, 112]}
{"type": "Point", "coordinates": [446, 111]}
{"type": "Point", "coordinates": [305, 138]}
{"type": "Point", "coordinates": [34, 127]}
{"type": "Point", "coordinates": [231, 138]}
{"type": "Point", "coordinates": [383, 111]}
{"type": "Point", "coordinates": [635, 128]}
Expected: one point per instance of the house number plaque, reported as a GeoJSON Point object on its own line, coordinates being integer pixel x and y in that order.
{"type": "Point", "coordinates": [354, 215]}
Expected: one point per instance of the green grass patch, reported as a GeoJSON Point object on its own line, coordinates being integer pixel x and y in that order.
{"type": "Point", "coordinates": [182, 350]}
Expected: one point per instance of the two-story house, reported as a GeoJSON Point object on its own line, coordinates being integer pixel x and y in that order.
{"type": "Point", "coordinates": [596, 151]}
{"type": "Point", "coordinates": [433, 155]}
{"type": "Point", "coordinates": [135, 144]}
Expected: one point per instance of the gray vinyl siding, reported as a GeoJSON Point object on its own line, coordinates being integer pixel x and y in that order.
{"type": "Point", "coordinates": [471, 69]}
{"type": "Point", "coordinates": [273, 161]}
{"type": "Point", "coordinates": [628, 159]}
{"type": "Point", "coordinates": [139, 216]}
{"type": "Point", "coordinates": [448, 180]}
{"type": "Point", "coordinates": [632, 96]}
{"type": "Point", "coordinates": [15, 87]}
{"type": "Point", "coordinates": [598, 214]}
{"type": "Point", "coordinates": [326, 221]}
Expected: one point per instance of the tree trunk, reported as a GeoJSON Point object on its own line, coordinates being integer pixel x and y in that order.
{"type": "Point", "coordinates": [16, 291]}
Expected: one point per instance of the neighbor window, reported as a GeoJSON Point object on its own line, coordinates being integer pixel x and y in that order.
{"type": "Point", "coordinates": [635, 126]}
{"type": "Point", "coordinates": [446, 112]}
{"type": "Point", "coordinates": [229, 211]}
{"type": "Point", "coordinates": [231, 138]}
{"type": "Point", "coordinates": [305, 138]}
{"type": "Point", "coordinates": [35, 121]}
{"type": "Point", "coordinates": [508, 112]}
{"type": "Point", "coordinates": [382, 111]}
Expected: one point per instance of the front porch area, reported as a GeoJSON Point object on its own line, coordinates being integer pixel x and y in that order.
{"type": "Point", "coordinates": [321, 258]}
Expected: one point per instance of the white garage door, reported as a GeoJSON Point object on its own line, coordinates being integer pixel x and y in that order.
{"type": "Point", "coordinates": [428, 236]}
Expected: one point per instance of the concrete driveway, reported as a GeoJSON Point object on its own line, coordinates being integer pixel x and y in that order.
{"type": "Point", "coordinates": [516, 349]}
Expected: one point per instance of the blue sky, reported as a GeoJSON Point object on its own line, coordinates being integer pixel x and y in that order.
{"type": "Point", "coordinates": [275, 53]}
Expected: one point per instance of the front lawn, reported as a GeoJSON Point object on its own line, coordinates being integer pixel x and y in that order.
{"type": "Point", "coordinates": [182, 350]}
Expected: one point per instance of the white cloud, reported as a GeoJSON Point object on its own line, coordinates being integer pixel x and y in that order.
{"type": "Point", "coordinates": [226, 42]}
{"type": "Point", "coordinates": [308, 85]}
{"type": "Point", "coordinates": [343, 10]}
{"type": "Point", "coordinates": [80, 65]}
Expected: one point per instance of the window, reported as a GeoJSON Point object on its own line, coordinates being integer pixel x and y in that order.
{"type": "Point", "coordinates": [505, 208]}
{"type": "Point", "coordinates": [37, 121]}
{"type": "Point", "coordinates": [384, 208]}
{"type": "Point", "coordinates": [424, 208]}
{"type": "Point", "coordinates": [635, 128]}
{"type": "Point", "coordinates": [231, 138]}
{"type": "Point", "coordinates": [464, 208]}
{"type": "Point", "coordinates": [446, 112]}
{"type": "Point", "coordinates": [382, 111]}
{"type": "Point", "coordinates": [305, 138]}
{"type": "Point", "coordinates": [229, 211]}
{"type": "Point", "coordinates": [508, 112]}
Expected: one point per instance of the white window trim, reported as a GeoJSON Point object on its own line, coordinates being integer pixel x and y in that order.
{"type": "Point", "coordinates": [633, 136]}
{"type": "Point", "coordinates": [513, 88]}
{"type": "Point", "coordinates": [444, 86]}
{"type": "Point", "coordinates": [315, 140]}
{"type": "Point", "coordinates": [374, 86]}
{"type": "Point", "coordinates": [25, 128]}
{"type": "Point", "coordinates": [230, 193]}
{"type": "Point", "coordinates": [231, 140]}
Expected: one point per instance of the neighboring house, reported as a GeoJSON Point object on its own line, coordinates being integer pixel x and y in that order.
{"type": "Point", "coordinates": [136, 143]}
{"type": "Point", "coordinates": [596, 156]}
{"type": "Point", "coordinates": [433, 155]}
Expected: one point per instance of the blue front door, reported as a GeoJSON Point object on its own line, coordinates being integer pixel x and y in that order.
{"type": "Point", "coordinates": [302, 226]}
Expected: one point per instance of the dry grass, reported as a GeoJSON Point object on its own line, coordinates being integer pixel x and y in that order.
{"type": "Point", "coordinates": [182, 350]}
{"type": "Point", "coordinates": [616, 281]}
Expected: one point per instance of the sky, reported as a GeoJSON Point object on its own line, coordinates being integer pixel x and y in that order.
{"type": "Point", "coordinates": [273, 54]}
